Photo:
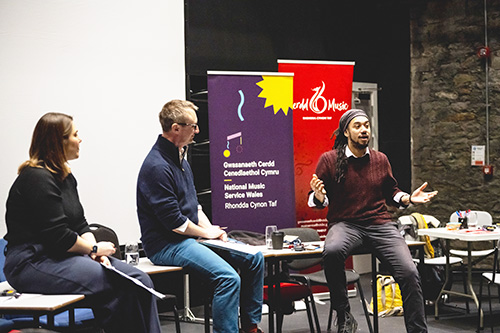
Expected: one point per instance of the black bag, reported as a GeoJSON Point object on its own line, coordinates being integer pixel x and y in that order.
{"type": "Point", "coordinates": [433, 277]}
{"type": "Point", "coordinates": [248, 237]}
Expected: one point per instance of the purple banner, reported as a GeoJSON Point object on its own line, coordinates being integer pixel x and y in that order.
{"type": "Point", "coordinates": [251, 150]}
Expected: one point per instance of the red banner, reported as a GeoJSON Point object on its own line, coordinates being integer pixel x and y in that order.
{"type": "Point", "coordinates": [321, 94]}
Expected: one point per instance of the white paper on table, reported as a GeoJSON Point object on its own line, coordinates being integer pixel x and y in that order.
{"type": "Point", "coordinates": [231, 245]}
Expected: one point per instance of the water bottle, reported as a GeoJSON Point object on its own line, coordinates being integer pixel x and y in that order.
{"type": "Point", "coordinates": [132, 253]}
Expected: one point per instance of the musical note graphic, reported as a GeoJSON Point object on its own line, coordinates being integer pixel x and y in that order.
{"type": "Point", "coordinates": [239, 148]}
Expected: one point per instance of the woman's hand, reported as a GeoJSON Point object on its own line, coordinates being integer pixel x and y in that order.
{"type": "Point", "coordinates": [84, 244]}
{"type": "Point", "coordinates": [103, 260]}
{"type": "Point", "coordinates": [318, 187]}
{"type": "Point", "coordinates": [103, 249]}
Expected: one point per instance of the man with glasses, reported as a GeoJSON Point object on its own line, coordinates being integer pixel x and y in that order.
{"type": "Point", "coordinates": [171, 220]}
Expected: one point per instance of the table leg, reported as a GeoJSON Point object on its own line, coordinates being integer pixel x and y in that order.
{"type": "Point", "coordinates": [421, 258]}
{"type": "Point", "coordinates": [469, 293]}
{"type": "Point", "coordinates": [277, 296]}
{"type": "Point", "coordinates": [50, 320]}
{"type": "Point", "coordinates": [469, 283]}
{"type": "Point", "coordinates": [71, 318]}
{"type": "Point", "coordinates": [270, 294]}
{"type": "Point", "coordinates": [374, 293]}
{"type": "Point", "coordinates": [187, 315]}
{"type": "Point", "coordinates": [446, 280]}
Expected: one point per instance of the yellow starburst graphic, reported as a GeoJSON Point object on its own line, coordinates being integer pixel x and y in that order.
{"type": "Point", "coordinates": [278, 92]}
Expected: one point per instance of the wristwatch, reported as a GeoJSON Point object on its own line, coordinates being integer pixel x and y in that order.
{"type": "Point", "coordinates": [93, 251]}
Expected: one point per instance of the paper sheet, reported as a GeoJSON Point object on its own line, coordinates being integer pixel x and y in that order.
{"type": "Point", "coordinates": [137, 282]}
{"type": "Point", "coordinates": [231, 245]}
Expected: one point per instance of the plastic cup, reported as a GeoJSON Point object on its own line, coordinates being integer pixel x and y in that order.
{"type": "Point", "coordinates": [269, 235]}
{"type": "Point", "coordinates": [472, 220]}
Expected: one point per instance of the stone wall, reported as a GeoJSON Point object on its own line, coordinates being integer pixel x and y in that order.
{"type": "Point", "coordinates": [448, 103]}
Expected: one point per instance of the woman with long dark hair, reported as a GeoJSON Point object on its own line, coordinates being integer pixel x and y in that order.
{"type": "Point", "coordinates": [51, 249]}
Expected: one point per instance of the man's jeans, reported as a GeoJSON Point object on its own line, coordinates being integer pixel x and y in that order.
{"type": "Point", "coordinates": [227, 285]}
{"type": "Point", "coordinates": [391, 249]}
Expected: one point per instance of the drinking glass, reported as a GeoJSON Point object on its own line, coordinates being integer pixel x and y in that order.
{"type": "Point", "coordinates": [472, 220]}
{"type": "Point", "coordinates": [132, 253]}
{"type": "Point", "coordinates": [269, 235]}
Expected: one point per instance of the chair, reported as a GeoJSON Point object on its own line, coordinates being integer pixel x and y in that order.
{"type": "Point", "coordinates": [417, 220]}
{"type": "Point", "coordinates": [291, 291]}
{"type": "Point", "coordinates": [318, 278]}
{"type": "Point", "coordinates": [492, 278]}
{"type": "Point", "coordinates": [483, 218]}
{"type": "Point", "coordinates": [104, 233]}
{"type": "Point", "coordinates": [411, 224]}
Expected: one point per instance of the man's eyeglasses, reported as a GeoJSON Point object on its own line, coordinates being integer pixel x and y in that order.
{"type": "Point", "coordinates": [194, 126]}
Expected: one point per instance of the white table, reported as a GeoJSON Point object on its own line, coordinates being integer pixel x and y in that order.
{"type": "Point", "coordinates": [38, 305]}
{"type": "Point", "coordinates": [316, 250]}
{"type": "Point", "coordinates": [469, 236]}
{"type": "Point", "coordinates": [149, 268]}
